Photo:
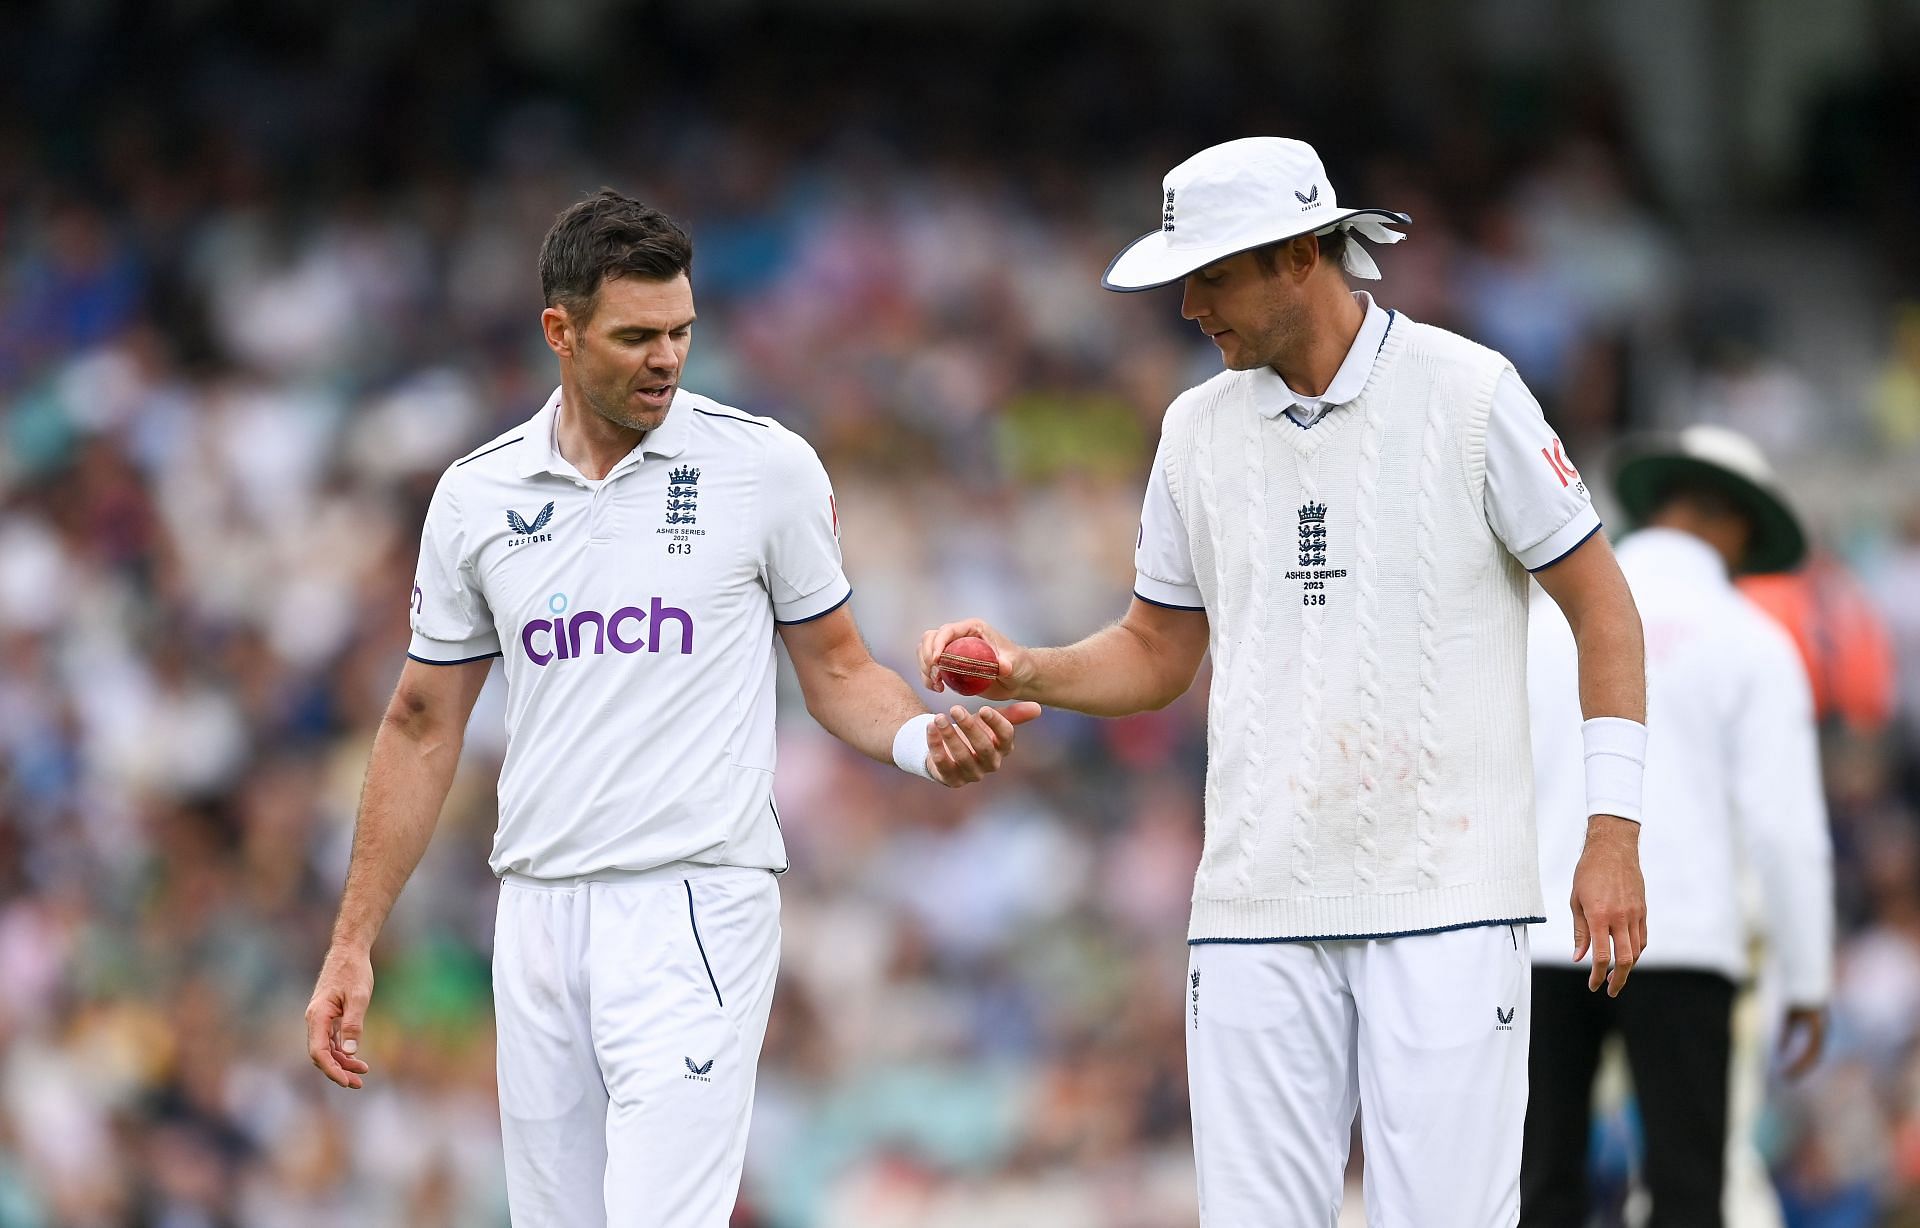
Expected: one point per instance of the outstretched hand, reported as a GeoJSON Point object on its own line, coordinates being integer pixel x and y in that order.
{"type": "Point", "coordinates": [963, 746]}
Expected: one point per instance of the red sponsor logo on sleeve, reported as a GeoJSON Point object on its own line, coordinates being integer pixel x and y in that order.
{"type": "Point", "coordinates": [1558, 462]}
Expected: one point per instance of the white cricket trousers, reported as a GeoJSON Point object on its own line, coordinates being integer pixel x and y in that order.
{"type": "Point", "coordinates": [630, 1011]}
{"type": "Point", "coordinates": [1426, 1034]}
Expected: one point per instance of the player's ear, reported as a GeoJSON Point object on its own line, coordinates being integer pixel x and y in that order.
{"type": "Point", "coordinates": [1300, 255]}
{"type": "Point", "coordinates": [559, 328]}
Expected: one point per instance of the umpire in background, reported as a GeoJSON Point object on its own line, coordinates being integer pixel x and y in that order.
{"type": "Point", "coordinates": [1733, 778]}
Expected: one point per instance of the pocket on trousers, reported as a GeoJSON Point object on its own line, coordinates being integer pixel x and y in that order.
{"type": "Point", "coordinates": [733, 930]}
{"type": "Point", "coordinates": [700, 945]}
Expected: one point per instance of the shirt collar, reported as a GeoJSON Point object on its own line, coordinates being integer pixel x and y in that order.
{"type": "Point", "coordinates": [669, 439]}
{"type": "Point", "coordinates": [1675, 553]}
{"type": "Point", "coordinates": [1274, 398]}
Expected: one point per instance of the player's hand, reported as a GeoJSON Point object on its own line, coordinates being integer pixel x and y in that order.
{"type": "Point", "coordinates": [1609, 902]}
{"type": "Point", "coordinates": [336, 1013]}
{"type": "Point", "coordinates": [1016, 663]}
{"type": "Point", "coordinates": [1809, 1022]}
{"type": "Point", "coordinates": [964, 746]}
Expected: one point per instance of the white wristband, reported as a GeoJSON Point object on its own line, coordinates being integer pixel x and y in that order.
{"type": "Point", "coordinates": [1616, 750]}
{"type": "Point", "coordinates": [910, 747]}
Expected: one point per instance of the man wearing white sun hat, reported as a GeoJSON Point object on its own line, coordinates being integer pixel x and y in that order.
{"type": "Point", "coordinates": [1733, 766]}
{"type": "Point", "coordinates": [1346, 517]}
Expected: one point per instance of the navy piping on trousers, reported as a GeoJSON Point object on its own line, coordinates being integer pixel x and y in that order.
{"type": "Point", "coordinates": [695, 922]}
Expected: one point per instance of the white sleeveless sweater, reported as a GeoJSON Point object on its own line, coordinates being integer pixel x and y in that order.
{"type": "Point", "coordinates": [1369, 768]}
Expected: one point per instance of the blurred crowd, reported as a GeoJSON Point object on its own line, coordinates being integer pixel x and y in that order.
{"type": "Point", "coordinates": [248, 313]}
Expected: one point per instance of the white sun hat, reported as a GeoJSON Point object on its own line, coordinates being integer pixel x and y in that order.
{"type": "Point", "coordinates": [1244, 194]}
{"type": "Point", "coordinates": [1647, 468]}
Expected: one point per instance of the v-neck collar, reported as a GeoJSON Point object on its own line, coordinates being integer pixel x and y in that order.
{"type": "Point", "coordinates": [1276, 399]}
{"type": "Point", "coordinates": [1306, 440]}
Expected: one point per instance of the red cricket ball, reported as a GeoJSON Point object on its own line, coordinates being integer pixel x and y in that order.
{"type": "Point", "coordinates": [969, 665]}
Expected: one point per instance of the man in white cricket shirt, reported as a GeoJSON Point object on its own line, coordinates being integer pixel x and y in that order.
{"type": "Point", "coordinates": [630, 553]}
{"type": "Point", "coordinates": [1346, 517]}
{"type": "Point", "coordinates": [1733, 778]}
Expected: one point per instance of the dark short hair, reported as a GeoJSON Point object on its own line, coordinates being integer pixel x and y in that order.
{"type": "Point", "coordinates": [1700, 492]}
{"type": "Point", "coordinates": [608, 235]}
{"type": "Point", "coordinates": [1333, 246]}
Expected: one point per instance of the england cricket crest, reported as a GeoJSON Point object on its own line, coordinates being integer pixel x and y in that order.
{"type": "Point", "coordinates": [683, 505]}
{"type": "Point", "coordinates": [1313, 535]}
{"type": "Point", "coordinates": [1313, 573]}
{"type": "Point", "coordinates": [683, 493]}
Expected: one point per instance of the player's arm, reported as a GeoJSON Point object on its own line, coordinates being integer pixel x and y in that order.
{"type": "Point", "coordinates": [415, 751]}
{"type": "Point", "coordinates": [408, 774]}
{"type": "Point", "coordinates": [854, 697]}
{"type": "Point", "coordinates": [1609, 895]}
{"type": "Point", "coordinates": [1591, 592]}
{"type": "Point", "coordinates": [865, 704]}
{"type": "Point", "coordinates": [1146, 660]}
{"type": "Point", "coordinates": [1538, 505]}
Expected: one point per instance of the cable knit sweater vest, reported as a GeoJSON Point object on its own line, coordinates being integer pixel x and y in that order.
{"type": "Point", "coordinates": [1368, 769]}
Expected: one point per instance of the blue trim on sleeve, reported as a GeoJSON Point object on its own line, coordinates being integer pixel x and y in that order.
{"type": "Point", "coordinates": [795, 622]}
{"type": "Point", "coordinates": [1168, 605]}
{"type": "Point", "coordinates": [1564, 553]}
{"type": "Point", "coordinates": [1438, 929]}
{"type": "Point", "coordinates": [485, 656]}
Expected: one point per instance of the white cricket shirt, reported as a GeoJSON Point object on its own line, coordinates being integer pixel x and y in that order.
{"type": "Point", "coordinates": [1535, 500]}
{"type": "Point", "coordinates": [1732, 777]}
{"type": "Point", "coordinates": [635, 616]}
{"type": "Point", "coordinates": [1368, 771]}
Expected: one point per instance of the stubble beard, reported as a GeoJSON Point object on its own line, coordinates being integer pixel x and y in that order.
{"type": "Point", "coordinates": [1281, 336]}
{"type": "Point", "coordinates": [611, 412]}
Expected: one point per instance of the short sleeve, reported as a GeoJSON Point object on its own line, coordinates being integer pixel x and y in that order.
{"type": "Point", "coordinates": [449, 615]}
{"type": "Point", "coordinates": [1162, 557]}
{"type": "Point", "coordinates": [1535, 502]}
{"type": "Point", "coordinates": [802, 524]}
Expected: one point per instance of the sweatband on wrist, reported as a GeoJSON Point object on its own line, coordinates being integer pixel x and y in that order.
{"type": "Point", "coordinates": [910, 747]}
{"type": "Point", "coordinates": [1616, 752]}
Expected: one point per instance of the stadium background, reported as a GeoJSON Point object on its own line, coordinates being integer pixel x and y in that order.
{"type": "Point", "coordinates": [265, 269]}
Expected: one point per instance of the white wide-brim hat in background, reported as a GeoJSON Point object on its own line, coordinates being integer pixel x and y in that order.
{"type": "Point", "coordinates": [1646, 468]}
{"type": "Point", "coordinates": [1235, 197]}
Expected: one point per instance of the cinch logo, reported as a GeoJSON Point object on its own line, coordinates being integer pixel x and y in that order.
{"type": "Point", "coordinates": [561, 638]}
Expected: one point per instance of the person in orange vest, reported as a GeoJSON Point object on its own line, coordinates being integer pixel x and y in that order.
{"type": "Point", "coordinates": [1842, 638]}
